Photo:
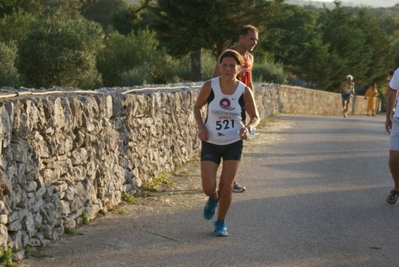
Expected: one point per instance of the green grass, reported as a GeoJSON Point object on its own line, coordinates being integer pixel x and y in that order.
{"type": "Point", "coordinates": [153, 185]}
{"type": "Point", "coordinates": [34, 252]}
{"type": "Point", "coordinates": [70, 231]}
{"type": "Point", "coordinates": [85, 218]}
{"type": "Point", "coordinates": [6, 258]}
{"type": "Point", "coordinates": [122, 212]}
{"type": "Point", "coordinates": [129, 198]}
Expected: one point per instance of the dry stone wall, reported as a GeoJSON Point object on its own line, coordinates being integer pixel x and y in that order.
{"type": "Point", "coordinates": [298, 100]}
{"type": "Point", "coordinates": [65, 153]}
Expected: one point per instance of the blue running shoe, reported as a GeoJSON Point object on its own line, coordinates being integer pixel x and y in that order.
{"type": "Point", "coordinates": [220, 228]}
{"type": "Point", "coordinates": [210, 208]}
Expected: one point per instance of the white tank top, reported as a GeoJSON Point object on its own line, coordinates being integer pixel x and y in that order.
{"type": "Point", "coordinates": [224, 115]}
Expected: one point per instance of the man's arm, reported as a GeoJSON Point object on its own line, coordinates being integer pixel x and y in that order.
{"type": "Point", "coordinates": [392, 95]}
{"type": "Point", "coordinates": [251, 85]}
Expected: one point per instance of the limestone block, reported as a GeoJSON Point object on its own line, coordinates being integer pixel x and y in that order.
{"type": "Point", "coordinates": [79, 173]}
{"type": "Point", "coordinates": [49, 213]}
{"type": "Point", "coordinates": [79, 156]}
{"type": "Point", "coordinates": [34, 242]}
{"type": "Point", "coordinates": [3, 236]}
{"type": "Point", "coordinates": [65, 207]}
{"type": "Point", "coordinates": [41, 147]}
{"type": "Point", "coordinates": [50, 175]}
{"type": "Point", "coordinates": [91, 170]}
{"type": "Point", "coordinates": [40, 237]}
{"type": "Point", "coordinates": [24, 239]}
{"type": "Point", "coordinates": [62, 195]}
{"type": "Point", "coordinates": [90, 195]}
{"type": "Point", "coordinates": [46, 231]}
{"type": "Point", "coordinates": [3, 208]}
{"type": "Point", "coordinates": [61, 167]}
{"type": "Point", "coordinates": [79, 220]}
{"type": "Point", "coordinates": [18, 256]}
{"type": "Point", "coordinates": [37, 205]}
{"type": "Point", "coordinates": [39, 180]}
{"type": "Point", "coordinates": [12, 173]}
{"type": "Point", "coordinates": [59, 114]}
{"type": "Point", "coordinates": [17, 214]}
{"type": "Point", "coordinates": [40, 192]}
{"type": "Point", "coordinates": [101, 192]}
{"type": "Point", "coordinates": [16, 243]}
{"type": "Point", "coordinates": [37, 220]}
{"type": "Point", "coordinates": [70, 193]}
{"type": "Point", "coordinates": [91, 154]}
{"type": "Point", "coordinates": [5, 126]}
{"type": "Point", "coordinates": [30, 196]}
{"type": "Point", "coordinates": [108, 106]}
{"type": "Point", "coordinates": [61, 186]}
{"type": "Point", "coordinates": [3, 218]}
{"type": "Point", "coordinates": [7, 201]}
{"type": "Point", "coordinates": [28, 224]}
{"type": "Point", "coordinates": [32, 114]}
{"type": "Point", "coordinates": [31, 186]}
{"type": "Point", "coordinates": [77, 204]}
{"type": "Point", "coordinates": [57, 232]}
{"type": "Point", "coordinates": [93, 210]}
{"type": "Point", "coordinates": [14, 226]}
{"type": "Point", "coordinates": [79, 139]}
{"type": "Point", "coordinates": [70, 222]}
{"type": "Point", "coordinates": [130, 188]}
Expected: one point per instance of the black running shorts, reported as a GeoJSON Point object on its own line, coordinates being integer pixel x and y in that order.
{"type": "Point", "coordinates": [214, 153]}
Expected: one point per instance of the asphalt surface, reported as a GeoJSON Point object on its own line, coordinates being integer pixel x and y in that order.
{"type": "Point", "coordinates": [316, 189]}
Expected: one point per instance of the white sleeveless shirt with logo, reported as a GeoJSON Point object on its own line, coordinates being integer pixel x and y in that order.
{"type": "Point", "coordinates": [224, 115]}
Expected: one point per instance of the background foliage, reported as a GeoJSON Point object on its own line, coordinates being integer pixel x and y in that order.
{"type": "Point", "coordinates": [94, 43]}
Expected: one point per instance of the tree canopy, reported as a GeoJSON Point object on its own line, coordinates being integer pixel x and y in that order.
{"type": "Point", "coordinates": [317, 45]}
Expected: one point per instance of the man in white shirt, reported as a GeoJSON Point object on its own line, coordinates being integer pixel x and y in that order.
{"type": "Point", "coordinates": [392, 127]}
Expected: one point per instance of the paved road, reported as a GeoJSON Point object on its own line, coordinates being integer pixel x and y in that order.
{"type": "Point", "coordinates": [316, 189]}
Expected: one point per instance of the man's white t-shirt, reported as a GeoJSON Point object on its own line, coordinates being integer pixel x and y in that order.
{"type": "Point", "coordinates": [394, 85]}
{"type": "Point", "coordinates": [224, 115]}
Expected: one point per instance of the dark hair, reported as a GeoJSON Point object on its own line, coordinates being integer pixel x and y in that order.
{"type": "Point", "coordinates": [246, 29]}
{"type": "Point", "coordinates": [391, 72]}
{"type": "Point", "coordinates": [233, 54]}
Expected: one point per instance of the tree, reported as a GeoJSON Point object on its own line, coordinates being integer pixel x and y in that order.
{"type": "Point", "coordinates": [186, 26]}
{"type": "Point", "coordinates": [5, 3]}
{"type": "Point", "coordinates": [348, 42]}
{"type": "Point", "coordinates": [123, 53]}
{"type": "Point", "coordinates": [102, 11]}
{"type": "Point", "coordinates": [33, 7]}
{"type": "Point", "coordinates": [133, 18]}
{"type": "Point", "coordinates": [380, 46]}
{"type": "Point", "coordinates": [15, 25]}
{"type": "Point", "coordinates": [285, 41]}
{"type": "Point", "coordinates": [360, 43]}
{"type": "Point", "coordinates": [60, 53]}
{"type": "Point", "coordinates": [9, 75]}
{"type": "Point", "coordinates": [315, 64]}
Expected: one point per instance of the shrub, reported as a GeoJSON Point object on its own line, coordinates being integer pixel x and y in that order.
{"type": "Point", "coordinates": [14, 26]}
{"type": "Point", "coordinates": [8, 73]}
{"type": "Point", "coordinates": [60, 53]}
{"type": "Point", "coordinates": [268, 72]}
{"type": "Point", "coordinates": [122, 54]}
